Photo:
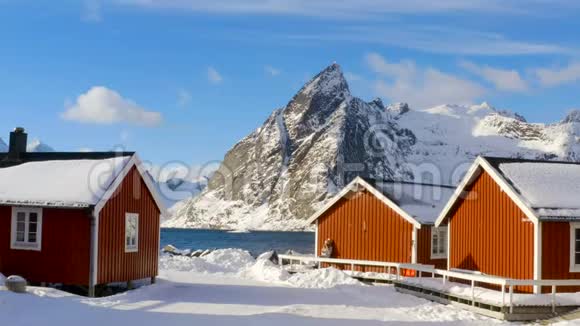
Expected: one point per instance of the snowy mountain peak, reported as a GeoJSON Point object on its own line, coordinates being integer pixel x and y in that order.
{"type": "Point", "coordinates": [397, 109]}
{"type": "Point", "coordinates": [572, 116]}
{"type": "Point", "coordinates": [38, 146]}
{"type": "Point", "coordinates": [298, 158]}
{"type": "Point", "coordinates": [377, 103]}
{"type": "Point", "coordinates": [329, 81]}
{"type": "Point", "coordinates": [315, 103]}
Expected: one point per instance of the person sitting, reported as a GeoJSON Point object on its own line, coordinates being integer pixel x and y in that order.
{"type": "Point", "coordinates": [327, 249]}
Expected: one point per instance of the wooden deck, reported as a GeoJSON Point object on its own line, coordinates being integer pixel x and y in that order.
{"type": "Point", "coordinates": [436, 288]}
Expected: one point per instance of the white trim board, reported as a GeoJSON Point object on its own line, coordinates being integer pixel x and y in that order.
{"type": "Point", "coordinates": [353, 186]}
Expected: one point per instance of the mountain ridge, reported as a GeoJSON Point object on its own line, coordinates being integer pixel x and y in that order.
{"type": "Point", "coordinates": [305, 152]}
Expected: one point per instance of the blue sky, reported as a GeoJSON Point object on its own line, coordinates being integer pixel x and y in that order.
{"type": "Point", "coordinates": [186, 79]}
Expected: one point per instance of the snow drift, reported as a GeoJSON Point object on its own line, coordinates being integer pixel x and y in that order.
{"type": "Point", "coordinates": [240, 264]}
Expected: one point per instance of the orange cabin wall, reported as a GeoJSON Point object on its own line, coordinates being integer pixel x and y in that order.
{"type": "Point", "coordinates": [114, 265]}
{"type": "Point", "coordinates": [65, 249]}
{"type": "Point", "coordinates": [489, 233]}
{"type": "Point", "coordinates": [556, 254]}
{"type": "Point", "coordinates": [364, 228]}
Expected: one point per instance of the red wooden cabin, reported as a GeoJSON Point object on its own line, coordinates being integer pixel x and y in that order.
{"type": "Point", "coordinates": [384, 221]}
{"type": "Point", "coordinates": [81, 219]}
{"type": "Point", "coordinates": [517, 219]}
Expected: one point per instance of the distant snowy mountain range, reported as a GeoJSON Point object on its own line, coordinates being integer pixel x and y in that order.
{"type": "Point", "coordinates": [307, 151]}
{"type": "Point", "coordinates": [34, 146]}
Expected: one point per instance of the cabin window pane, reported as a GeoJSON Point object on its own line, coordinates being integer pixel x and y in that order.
{"type": "Point", "coordinates": [27, 228]}
{"type": "Point", "coordinates": [577, 247]}
{"type": "Point", "coordinates": [131, 232]}
{"type": "Point", "coordinates": [439, 242]}
{"type": "Point", "coordinates": [435, 243]}
{"type": "Point", "coordinates": [442, 241]}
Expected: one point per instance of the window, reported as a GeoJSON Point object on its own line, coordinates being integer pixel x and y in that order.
{"type": "Point", "coordinates": [131, 232]}
{"type": "Point", "coordinates": [26, 228]}
{"type": "Point", "coordinates": [438, 242]}
{"type": "Point", "coordinates": [575, 247]}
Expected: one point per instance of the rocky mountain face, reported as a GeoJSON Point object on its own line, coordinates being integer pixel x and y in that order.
{"type": "Point", "coordinates": [3, 146]}
{"type": "Point", "coordinates": [307, 151]}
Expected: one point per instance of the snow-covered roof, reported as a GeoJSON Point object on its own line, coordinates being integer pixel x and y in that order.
{"type": "Point", "coordinates": [422, 201]}
{"type": "Point", "coordinates": [551, 189]}
{"type": "Point", "coordinates": [61, 183]}
{"type": "Point", "coordinates": [543, 190]}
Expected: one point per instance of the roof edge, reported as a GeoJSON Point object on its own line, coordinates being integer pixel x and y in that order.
{"type": "Point", "coordinates": [360, 181]}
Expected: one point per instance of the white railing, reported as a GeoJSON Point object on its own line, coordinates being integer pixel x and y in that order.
{"type": "Point", "coordinates": [445, 275]}
{"type": "Point", "coordinates": [386, 265]}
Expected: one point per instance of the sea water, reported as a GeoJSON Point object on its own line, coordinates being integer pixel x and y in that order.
{"type": "Point", "coordinates": [255, 242]}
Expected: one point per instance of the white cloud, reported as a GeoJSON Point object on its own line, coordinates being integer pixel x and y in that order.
{"type": "Point", "coordinates": [379, 65]}
{"type": "Point", "coordinates": [91, 11]}
{"type": "Point", "coordinates": [183, 98]}
{"type": "Point", "coordinates": [332, 8]}
{"type": "Point", "coordinates": [433, 39]}
{"type": "Point", "coordinates": [213, 76]}
{"type": "Point", "coordinates": [86, 149]}
{"type": "Point", "coordinates": [503, 79]}
{"type": "Point", "coordinates": [421, 88]}
{"type": "Point", "coordinates": [101, 105]}
{"type": "Point", "coordinates": [272, 71]}
{"type": "Point", "coordinates": [351, 76]}
{"type": "Point", "coordinates": [551, 77]}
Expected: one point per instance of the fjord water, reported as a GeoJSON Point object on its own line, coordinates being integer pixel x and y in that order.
{"type": "Point", "coordinates": [255, 242]}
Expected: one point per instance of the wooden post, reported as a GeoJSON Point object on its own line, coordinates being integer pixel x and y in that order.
{"type": "Point", "coordinates": [472, 292]}
{"type": "Point", "coordinates": [153, 279]}
{"type": "Point", "coordinates": [511, 299]}
{"type": "Point", "coordinates": [502, 295]}
{"type": "Point", "coordinates": [91, 293]}
{"type": "Point", "coordinates": [130, 285]}
{"type": "Point", "coordinates": [553, 299]}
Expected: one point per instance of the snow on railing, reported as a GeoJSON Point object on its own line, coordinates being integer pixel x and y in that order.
{"type": "Point", "coordinates": [419, 269]}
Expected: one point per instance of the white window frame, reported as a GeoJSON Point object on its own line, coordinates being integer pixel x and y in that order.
{"type": "Point", "coordinates": [574, 266]}
{"type": "Point", "coordinates": [25, 245]}
{"type": "Point", "coordinates": [441, 244]}
{"type": "Point", "coordinates": [128, 247]}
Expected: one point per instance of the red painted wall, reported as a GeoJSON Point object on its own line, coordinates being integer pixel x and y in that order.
{"type": "Point", "coordinates": [556, 254]}
{"type": "Point", "coordinates": [114, 265]}
{"type": "Point", "coordinates": [489, 233]}
{"type": "Point", "coordinates": [65, 254]}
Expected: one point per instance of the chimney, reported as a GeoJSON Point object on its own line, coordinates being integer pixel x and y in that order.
{"type": "Point", "coordinates": [18, 140]}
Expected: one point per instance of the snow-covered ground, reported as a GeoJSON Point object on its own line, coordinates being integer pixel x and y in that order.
{"type": "Point", "coordinates": [229, 287]}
